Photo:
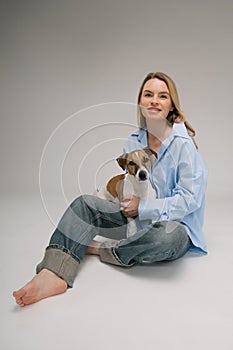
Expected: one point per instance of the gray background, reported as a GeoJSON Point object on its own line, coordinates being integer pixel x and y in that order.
{"type": "Point", "coordinates": [59, 57]}
{"type": "Point", "coordinates": [61, 64]}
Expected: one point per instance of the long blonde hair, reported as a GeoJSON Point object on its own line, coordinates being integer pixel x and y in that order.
{"type": "Point", "coordinates": [174, 116]}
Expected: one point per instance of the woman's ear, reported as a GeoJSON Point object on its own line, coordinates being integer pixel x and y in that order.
{"type": "Point", "coordinates": [122, 160]}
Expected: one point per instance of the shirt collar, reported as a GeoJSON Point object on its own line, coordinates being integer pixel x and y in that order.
{"type": "Point", "coordinates": [178, 130]}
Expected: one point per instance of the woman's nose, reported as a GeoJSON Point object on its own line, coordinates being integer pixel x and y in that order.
{"type": "Point", "coordinates": [154, 100]}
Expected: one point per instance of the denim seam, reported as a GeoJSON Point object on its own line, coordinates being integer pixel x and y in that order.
{"type": "Point", "coordinates": [106, 217]}
{"type": "Point", "coordinates": [118, 259]}
{"type": "Point", "coordinates": [62, 267]}
{"type": "Point", "coordinates": [81, 238]}
{"type": "Point", "coordinates": [103, 215]}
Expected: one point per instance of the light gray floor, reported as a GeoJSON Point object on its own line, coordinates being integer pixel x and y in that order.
{"type": "Point", "coordinates": [185, 304]}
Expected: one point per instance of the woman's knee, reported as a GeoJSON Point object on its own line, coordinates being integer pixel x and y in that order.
{"type": "Point", "coordinates": [94, 205]}
{"type": "Point", "coordinates": [169, 236]}
{"type": "Point", "coordinates": [82, 199]}
{"type": "Point", "coordinates": [173, 233]}
{"type": "Point", "coordinates": [177, 239]}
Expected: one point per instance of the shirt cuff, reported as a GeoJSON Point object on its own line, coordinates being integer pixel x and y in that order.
{"type": "Point", "coordinates": [153, 209]}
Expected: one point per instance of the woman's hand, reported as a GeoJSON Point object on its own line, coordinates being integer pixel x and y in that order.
{"type": "Point", "coordinates": [129, 206]}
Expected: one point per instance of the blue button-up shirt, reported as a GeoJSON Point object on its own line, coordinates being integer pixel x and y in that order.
{"type": "Point", "coordinates": [179, 177]}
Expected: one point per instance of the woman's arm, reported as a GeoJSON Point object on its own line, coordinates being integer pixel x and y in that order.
{"type": "Point", "coordinates": [187, 194]}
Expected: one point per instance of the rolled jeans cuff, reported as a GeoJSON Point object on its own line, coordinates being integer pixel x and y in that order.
{"type": "Point", "coordinates": [108, 253]}
{"type": "Point", "coordinates": [60, 263]}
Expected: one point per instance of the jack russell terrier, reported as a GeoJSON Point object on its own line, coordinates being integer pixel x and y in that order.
{"type": "Point", "coordinates": [135, 181]}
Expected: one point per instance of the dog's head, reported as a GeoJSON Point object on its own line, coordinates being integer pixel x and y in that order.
{"type": "Point", "coordinates": [137, 163]}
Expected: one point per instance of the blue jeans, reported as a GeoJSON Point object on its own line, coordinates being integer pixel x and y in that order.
{"type": "Point", "coordinates": [88, 216]}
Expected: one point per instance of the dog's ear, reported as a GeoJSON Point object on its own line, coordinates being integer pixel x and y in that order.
{"type": "Point", "coordinates": [122, 160]}
{"type": "Point", "coordinates": [150, 152]}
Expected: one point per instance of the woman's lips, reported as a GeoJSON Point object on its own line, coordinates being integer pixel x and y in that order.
{"type": "Point", "coordinates": [154, 109]}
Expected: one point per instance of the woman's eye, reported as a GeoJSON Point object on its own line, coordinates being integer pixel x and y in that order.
{"type": "Point", "coordinates": [147, 94]}
{"type": "Point", "coordinates": [163, 96]}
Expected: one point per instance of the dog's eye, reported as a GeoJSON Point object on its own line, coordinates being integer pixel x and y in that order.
{"type": "Point", "coordinates": [145, 160]}
{"type": "Point", "coordinates": [131, 163]}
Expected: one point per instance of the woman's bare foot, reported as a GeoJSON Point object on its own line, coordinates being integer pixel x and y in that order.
{"type": "Point", "coordinates": [43, 285]}
{"type": "Point", "coordinates": [94, 248]}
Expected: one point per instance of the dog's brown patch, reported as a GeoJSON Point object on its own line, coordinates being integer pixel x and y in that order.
{"type": "Point", "coordinates": [122, 160]}
{"type": "Point", "coordinates": [115, 186]}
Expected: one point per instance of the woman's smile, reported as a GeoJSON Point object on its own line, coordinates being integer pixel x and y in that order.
{"type": "Point", "coordinates": [154, 109]}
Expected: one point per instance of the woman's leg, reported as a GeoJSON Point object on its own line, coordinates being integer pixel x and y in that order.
{"type": "Point", "coordinates": [85, 218]}
{"type": "Point", "coordinates": [161, 241]}
{"type": "Point", "coordinates": [166, 240]}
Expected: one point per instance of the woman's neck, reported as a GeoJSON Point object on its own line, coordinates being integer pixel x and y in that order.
{"type": "Point", "coordinates": [157, 134]}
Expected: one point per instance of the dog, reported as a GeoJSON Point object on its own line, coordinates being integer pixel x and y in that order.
{"type": "Point", "coordinates": [134, 182]}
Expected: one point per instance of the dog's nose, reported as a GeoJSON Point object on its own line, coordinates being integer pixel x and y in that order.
{"type": "Point", "coordinates": [142, 175]}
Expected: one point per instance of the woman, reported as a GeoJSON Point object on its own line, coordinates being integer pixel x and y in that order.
{"type": "Point", "coordinates": [179, 176]}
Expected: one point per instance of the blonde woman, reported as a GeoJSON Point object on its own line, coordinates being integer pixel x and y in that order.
{"type": "Point", "coordinates": [179, 178]}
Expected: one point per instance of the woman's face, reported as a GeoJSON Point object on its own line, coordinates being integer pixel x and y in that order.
{"type": "Point", "coordinates": [155, 100]}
